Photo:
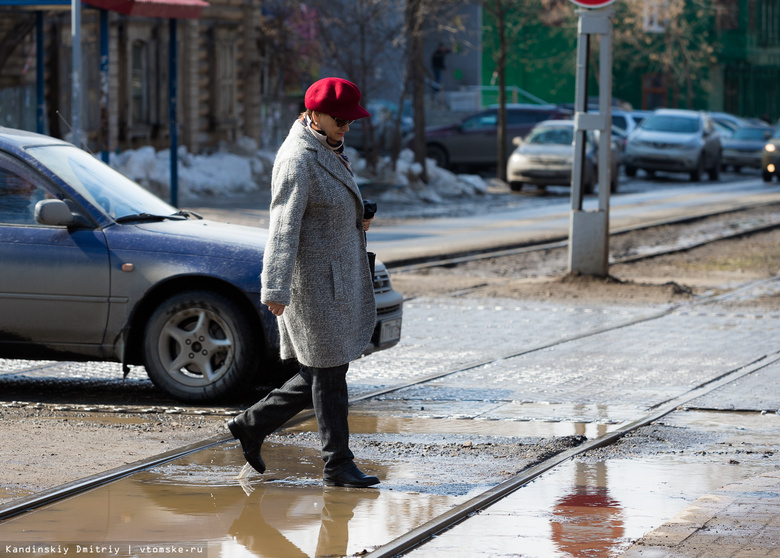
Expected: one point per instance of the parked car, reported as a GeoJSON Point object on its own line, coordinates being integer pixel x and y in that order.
{"type": "Point", "coordinates": [546, 158]}
{"type": "Point", "coordinates": [473, 141]}
{"type": "Point", "coordinates": [770, 157]}
{"type": "Point", "coordinates": [628, 120]}
{"type": "Point", "coordinates": [744, 147]}
{"type": "Point", "coordinates": [729, 121]}
{"type": "Point", "coordinates": [96, 268]}
{"type": "Point", "coordinates": [675, 140]}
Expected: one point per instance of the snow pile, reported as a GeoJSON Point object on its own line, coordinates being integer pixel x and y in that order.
{"type": "Point", "coordinates": [241, 168]}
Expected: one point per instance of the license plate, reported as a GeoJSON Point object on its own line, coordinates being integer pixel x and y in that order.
{"type": "Point", "coordinates": [389, 331]}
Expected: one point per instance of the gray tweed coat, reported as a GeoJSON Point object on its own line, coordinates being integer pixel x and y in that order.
{"type": "Point", "coordinates": [315, 259]}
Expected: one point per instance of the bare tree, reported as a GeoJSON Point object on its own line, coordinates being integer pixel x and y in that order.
{"type": "Point", "coordinates": [674, 38]}
{"type": "Point", "coordinates": [360, 40]}
{"type": "Point", "coordinates": [512, 40]}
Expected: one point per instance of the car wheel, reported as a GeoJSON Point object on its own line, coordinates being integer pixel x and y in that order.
{"type": "Point", "coordinates": [697, 172]}
{"type": "Point", "coordinates": [631, 171]}
{"type": "Point", "coordinates": [614, 181]}
{"type": "Point", "coordinates": [199, 346]}
{"type": "Point", "coordinates": [439, 155]}
{"type": "Point", "coordinates": [714, 172]}
{"type": "Point", "coordinates": [766, 175]}
{"type": "Point", "coordinates": [516, 186]}
{"type": "Point", "coordinates": [737, 168]}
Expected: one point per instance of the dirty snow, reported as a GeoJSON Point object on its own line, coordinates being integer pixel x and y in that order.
{"type": "Point", "coordinates": [242, 168]}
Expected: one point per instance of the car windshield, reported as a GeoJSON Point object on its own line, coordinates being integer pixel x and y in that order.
{"type": "Point", "coordinates": [750, 134]}
{"type": "Point", "coordinates": [98, 183]}
{"type": "Point", "coordinates": [671, 123]}
{"type": "Point", "coordinates": [557, 135]}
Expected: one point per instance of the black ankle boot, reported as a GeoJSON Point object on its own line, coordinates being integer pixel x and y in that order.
{"type": "Point", "coordinates": [250, 447]}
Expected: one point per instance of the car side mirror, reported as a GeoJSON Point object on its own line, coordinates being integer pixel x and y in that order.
{"type": "Point", "coordinates": [56, 213]}
{"type": "Point", "coordinates": [517, 141]}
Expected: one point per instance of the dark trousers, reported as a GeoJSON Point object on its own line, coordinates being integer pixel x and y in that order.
{"type": "Point", "coordinates": [325, 389]}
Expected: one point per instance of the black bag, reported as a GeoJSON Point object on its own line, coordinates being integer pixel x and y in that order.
{"type": "Point", "coordinates": [371, 263]}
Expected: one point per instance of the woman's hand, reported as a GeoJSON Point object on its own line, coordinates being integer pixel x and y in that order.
{"type": "Point", "coordinates": [366, 224]}
{"type": "Point", "coordinates": [275, 308]}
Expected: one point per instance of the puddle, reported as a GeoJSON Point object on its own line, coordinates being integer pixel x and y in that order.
{"type": "Point", "coordinates": [583, 509]}
{"type": "Point", "coordinates": [371, 424]}
{"type": "Point", "coordinates": [196, 506]}
{"type": "Point", "coordinates": [598, 508]}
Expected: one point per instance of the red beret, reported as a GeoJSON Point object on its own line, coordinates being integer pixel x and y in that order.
{"type": "Point", "coordinates": [335, 97]}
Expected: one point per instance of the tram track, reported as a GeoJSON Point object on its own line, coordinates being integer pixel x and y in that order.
{"type": "Point", "coordinates": [732, 229]}
{"type": "Point", "coordinates": [456, 515]}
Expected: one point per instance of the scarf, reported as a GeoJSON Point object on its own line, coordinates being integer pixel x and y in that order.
{"type": "Point", "coordinates": [338, 150]}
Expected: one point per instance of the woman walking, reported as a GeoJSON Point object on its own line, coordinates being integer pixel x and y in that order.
{"type": "Point", "coordinates": [316, 280]}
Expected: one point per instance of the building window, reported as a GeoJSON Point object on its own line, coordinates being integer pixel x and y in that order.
{"type": "Point", "coordinates": [654, 20]}
{"type": "Point", "coordinates": [225, 73]}
{"type": "Point", "coordinates": [139, 93]}
{"type": "Point", "coordinates": [769, 23]}
{"type": "Point", "coordinates": [727, 14]}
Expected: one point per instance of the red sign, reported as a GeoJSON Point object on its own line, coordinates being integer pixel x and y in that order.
{"type": "Point", "coordinates": [592, 3]}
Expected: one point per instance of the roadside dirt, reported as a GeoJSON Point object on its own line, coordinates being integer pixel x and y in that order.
{"type": "Point", "coordinates": [44, 448]}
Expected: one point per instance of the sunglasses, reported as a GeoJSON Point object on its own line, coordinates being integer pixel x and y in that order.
{"type": "Point", "coordinates": [340, 122]}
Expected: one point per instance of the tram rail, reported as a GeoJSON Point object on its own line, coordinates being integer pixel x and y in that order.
{"type": "Point", "coordinates": [423, 533]}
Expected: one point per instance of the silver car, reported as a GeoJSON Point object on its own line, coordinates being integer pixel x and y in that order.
{"type": "Point", "coordinates": [675, 140]}
{"type": "Point", "coordinates": [546, 156]}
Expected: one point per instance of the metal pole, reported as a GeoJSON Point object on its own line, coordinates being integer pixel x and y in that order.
{"type": "Point", "coordinates": [589, 230]}
{"type": "Point", "coordinates": [104, 126]}
{"type": "Point", "coordinates": [172, 97]}
{"type": "Point", "coordinates": [75, 33]}
{"type": "Point", "coordinates": [40, 86]}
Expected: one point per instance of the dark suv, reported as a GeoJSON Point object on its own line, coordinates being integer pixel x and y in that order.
{"type": "Point", "coordinates": [472, 141]}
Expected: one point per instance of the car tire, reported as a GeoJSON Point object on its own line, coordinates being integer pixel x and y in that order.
{"type": "Point", "coordinates": [439, 155]}
{"type": "Point", "coordinates": [516, 186]}
{"type": "Point", "coordinates": [714, 172]}
{"type": "Point", "coordinates": [614, 182]}
{"type": "Point", "coordinates": [766, 175]}
{"type": "Point", "coordinates": [199, 346]}
{"type": "Point", "coordinates": [631, 171]}
{"type": "Point", "coordinates": [697, 172]}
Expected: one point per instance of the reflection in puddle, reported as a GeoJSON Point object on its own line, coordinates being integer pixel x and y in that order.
{"type": "Point", "coordinates": [579, 509]}
{"type": "Point", "coordinates": [370, 424]}
{"type": "Point", "coordinates": [587, 521]}
{"type": "Point", "coordinates": [197, 503]}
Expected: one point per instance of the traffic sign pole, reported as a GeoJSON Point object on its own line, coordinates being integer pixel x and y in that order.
{"type": "Point", "coordinates": [589, 230]}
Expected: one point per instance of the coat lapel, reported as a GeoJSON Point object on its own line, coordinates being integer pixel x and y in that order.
{"type": "Point", "coordinates": [329, 161]}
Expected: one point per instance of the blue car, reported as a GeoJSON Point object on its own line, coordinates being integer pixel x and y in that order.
{"type": "Point", "coordinates": [96, 268]}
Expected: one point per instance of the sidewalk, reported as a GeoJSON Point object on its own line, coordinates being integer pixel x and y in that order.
{"type": "Point", "coordinates": [739, 520]}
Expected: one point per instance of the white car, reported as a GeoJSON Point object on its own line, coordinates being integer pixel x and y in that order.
{"type": "Point", "coordinates": [546, 157]}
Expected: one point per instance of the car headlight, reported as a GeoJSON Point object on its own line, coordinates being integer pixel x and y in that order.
{"type": "Point", "coordinates": [770, 148]}
{"type": "Point", "coordinates": [518, 158]}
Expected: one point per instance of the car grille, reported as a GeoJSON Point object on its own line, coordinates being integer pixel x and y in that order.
{"type": "Point", "coordinates": [382, 282]}
{"type": "Point", "coordinates": [388, 310]}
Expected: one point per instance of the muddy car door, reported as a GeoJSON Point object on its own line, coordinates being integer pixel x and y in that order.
{"type": "Point", "coordinates": [54, 280]}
